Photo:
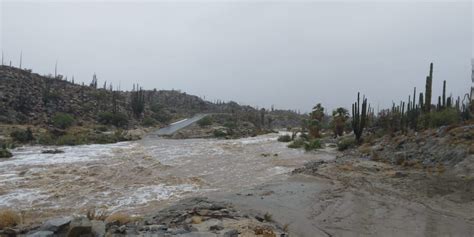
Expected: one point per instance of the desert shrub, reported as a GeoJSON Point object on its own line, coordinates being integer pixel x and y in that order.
{"type": "Point", "coordinates": [46, 139]}
{"type": "Point", "coordinates": [9, 218]}
{"type": "Point", "coordinates": [346, 143]}
{"type": "Point", "coordinates": [444, 117]}
{"type": "Point", "coordinates": [22, 136]}
{"type": "Point", "coordinates": [116, 119]}
{"type": "Point", "coordinates": [313, 145]}
{"type": "Point", "coordinates": [163, 116]}
{"type": "Point", "coordinates": [206, 121]}
{"type": "Point", "coordinates": [298, 143]}
{"type": "Point", "coordinates": [62, 120]}
{"type": "Point", "coordinates": [118, 217]}
{"type": "Point", "coordinates": [97, 214]}
{"type": "Point", "coordinates": [284, 138]}
{"type": "Point", "coordinates": [101, 128]}
{"type": "Point", "coordinates": [5, 153]}
{"type": "Point", "coordinates": [220, 133]}
{"type": "Point", "coordinates": [230, 124]}
{"type": "Point", "coordinates": [149, 122]}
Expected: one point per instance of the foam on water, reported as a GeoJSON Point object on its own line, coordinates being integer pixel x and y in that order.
{"type": "Point", "coordinates": [23, 196]}
{"type": "Point", "coordinates": [31, 155]}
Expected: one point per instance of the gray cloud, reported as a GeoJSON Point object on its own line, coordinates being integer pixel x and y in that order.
{"type": "Point", "coordinates": [291, 54]}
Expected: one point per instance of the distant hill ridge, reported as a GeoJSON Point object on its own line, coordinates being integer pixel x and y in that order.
{"type": "Point", "coordinates": [30, 98]}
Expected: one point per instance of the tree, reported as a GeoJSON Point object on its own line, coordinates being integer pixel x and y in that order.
{"type": "Point", "coordinates": [315, 121]}
{"type": "Point", "coordinates": [340, 116]}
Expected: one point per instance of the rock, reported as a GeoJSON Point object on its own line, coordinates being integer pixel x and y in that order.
{"type": "Point", "coordinates": [157, 228]}
{"type": "Point", "coordinates": [42, 233]}
{"type": "Point", "coordinates": [55, 151]}
{"type": "Point", "coordinates": [259, 218]}
{"type": "Point", "coordinates": [10, 231]}
{"type": "Point", "coordinates": [98, 228]}
{"type": "Point", "coordinates": [231, 233]}
{"type": "Point", "coordinates": [80, 227]}
{"type": "Point", "coordinates": [4, 153]}
{"type": "Point", "coordinates": [400, 175]}
{"type": "Point", "coordinates": [134, 134]}
{"type": "Point", "coordinates": [122, 229]}
{"type": "Point", "coordinates": [196, 220]}
{"type": "Point", "coordinates": [56, 225]}
{"type": "Point", "coordinates": [198, 234]}
{"type": "Point", "coordinates": [216, 227]}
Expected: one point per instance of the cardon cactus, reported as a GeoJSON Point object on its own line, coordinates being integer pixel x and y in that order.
{"type": "Point", "coordinates": [359, 118]}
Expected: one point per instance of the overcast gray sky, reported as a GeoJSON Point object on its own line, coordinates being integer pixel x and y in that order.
{"type": "Point", "coordinates": [290, 54]}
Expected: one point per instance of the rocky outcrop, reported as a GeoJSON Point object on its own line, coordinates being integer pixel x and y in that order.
{"type": "Point", "coordinates": [190, 217]}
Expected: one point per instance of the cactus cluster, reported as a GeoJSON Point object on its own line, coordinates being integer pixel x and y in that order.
{"type": "Point", "coordinates": [359, 117]}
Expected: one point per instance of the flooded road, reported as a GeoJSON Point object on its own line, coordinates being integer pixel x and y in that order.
{"type": "Point", "coordinates": [137, 176]}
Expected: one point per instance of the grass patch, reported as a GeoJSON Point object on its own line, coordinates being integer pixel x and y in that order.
{"type": "Point", "coordinates": [313, 145]}
{"type": "Point", "coordinates": [118, 217]}
{"type": "Point", "coordinates": [9, 218]}
{"type": "Point", "coordinates": [346, 143]}
{"type": "Point", "coordinates": [298, 143]}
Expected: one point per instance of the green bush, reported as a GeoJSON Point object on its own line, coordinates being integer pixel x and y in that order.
{"type": "Point", "coordinates": [312, 145]}
{"type": "Point", "coordinates": [284, 138]}
{"type": "Point", "coordinates": [230, 124]}
{"type": "Point", "coordinates": [206, 121]}
{"type": "Point", "coordinates": [219, 133]}
{"type": "Point", "coordinates": [298, 143]}
{"type": "Point", "coordinates": [22, 136]}
{"type": "Point", "coordinates": [346, 143]}
{"type": "Point", "coordinates": [62, 120]}
{"type": "Point", "coordinates": [163, 116]}
{"type": "Point", "coordinates": [116, 119]}
{"type": "Point", "coordinates": [46, 139]}
{"type": "Point", "coordinates": [444, 117]}
{"type": "Point", "coordinates": [5, 153]}
{"type": "Point", "coordinates": [149, 122]}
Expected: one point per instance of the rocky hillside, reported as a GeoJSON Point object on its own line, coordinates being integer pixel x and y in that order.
{"type": "Point", "coordinates": [29, 98]}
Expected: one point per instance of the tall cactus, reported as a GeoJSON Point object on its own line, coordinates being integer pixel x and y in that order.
{"type": "Point", "coordinates": [429, 85]}
{"type": "Point", "coordinates": [444, 94]}
{"type": "Point", "coordinates": [359, 118]}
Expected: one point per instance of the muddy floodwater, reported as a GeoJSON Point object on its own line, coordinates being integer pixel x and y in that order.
{"type": "Point", "coordinates": [137, 176]}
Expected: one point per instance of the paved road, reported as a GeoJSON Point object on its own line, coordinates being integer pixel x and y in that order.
{"type": "Point", "coordinates": [174, 127]}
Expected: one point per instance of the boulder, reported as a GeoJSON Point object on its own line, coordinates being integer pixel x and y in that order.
{"type": "Point", "coordinates": [56, 225]}
{"type": "Point", "coordinates": [98, 228]}
{"type": "Point", "coordinates": [231, 233]}
{"type": "Point", "coordinates": [42, 233]}
{"type": "Point", "coordinates": [80, 227]}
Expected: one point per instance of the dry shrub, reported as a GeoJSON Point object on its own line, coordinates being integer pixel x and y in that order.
{"type": "Point", "coordinates": [9, 218]}
{"type": "Point", "coordinates": [121, 218]}
{"type": "Point", "coordinates": [264, 231]}
{"type": "Point", "coordinates": [346, 167]}
{"type": "Point", "coordinates": [97, 214]}
{"type": "Point", "coordinates": [365, 149]}
{"type": "Point", "coordinates": [268, 217]}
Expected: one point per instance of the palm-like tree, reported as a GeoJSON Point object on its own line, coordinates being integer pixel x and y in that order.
{"type": "Point", "coordinates": [314, 124]}
{"type": "Point", "coordinates": [340, 116]}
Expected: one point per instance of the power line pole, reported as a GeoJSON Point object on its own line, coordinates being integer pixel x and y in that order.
{"type": "Point", "coordinates": [21, 57]}
{"type": "Point", "coordinates": [56, 69]}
